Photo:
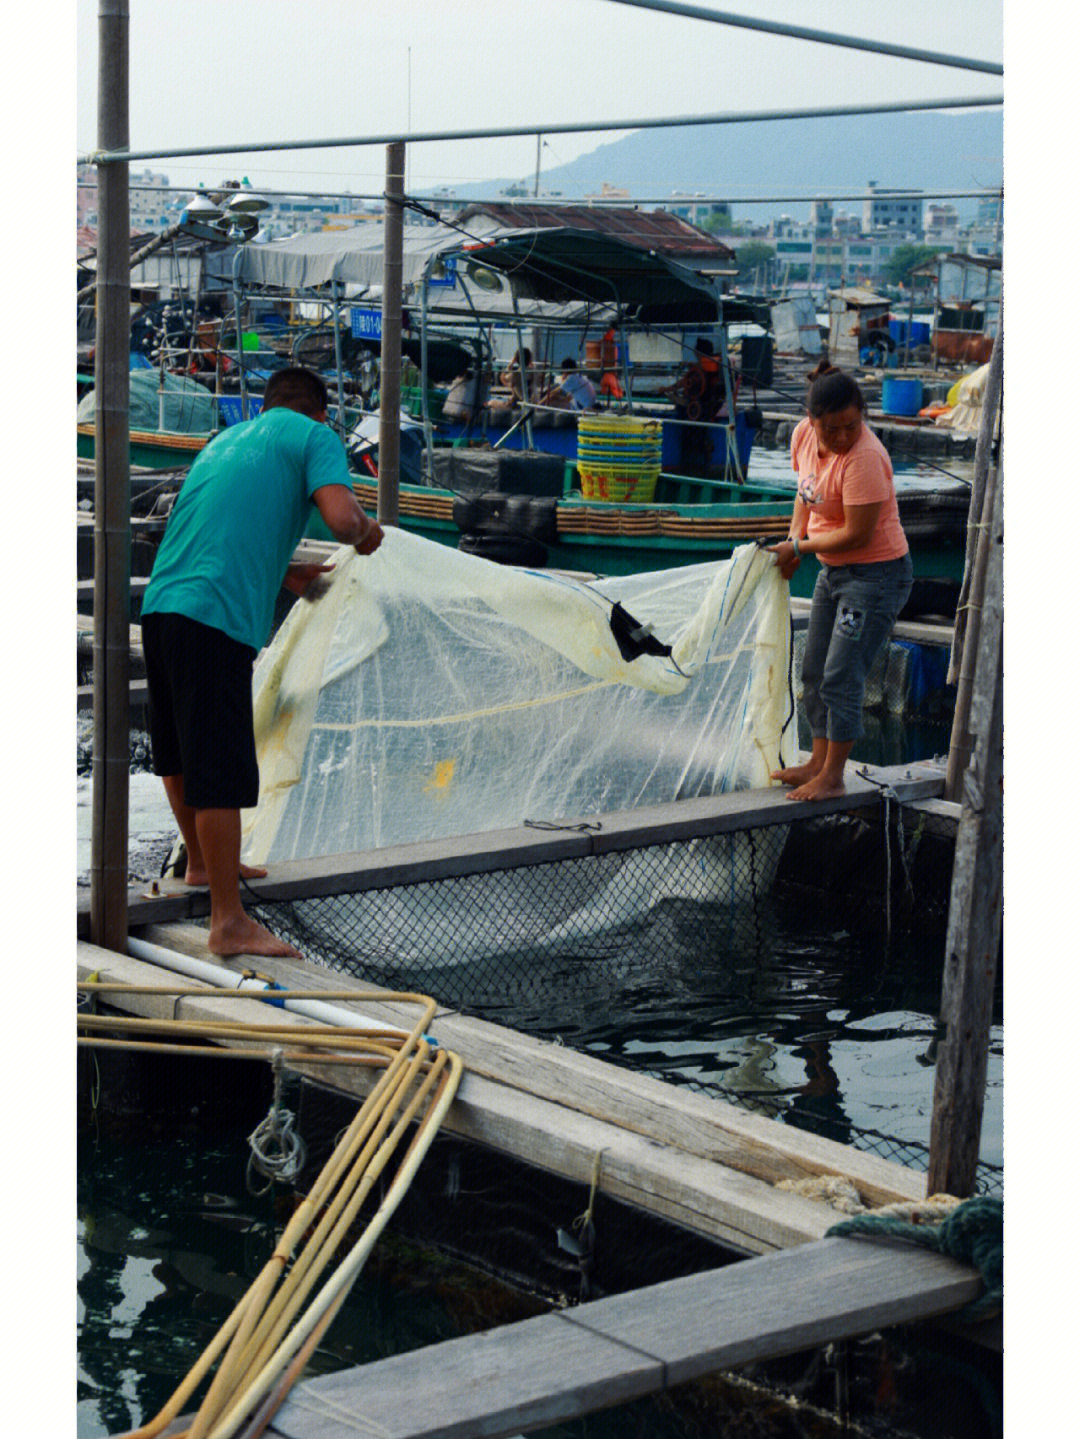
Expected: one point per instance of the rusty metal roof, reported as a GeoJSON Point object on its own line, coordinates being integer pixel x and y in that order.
{"type": "Point", "coordinates": [655, 230]}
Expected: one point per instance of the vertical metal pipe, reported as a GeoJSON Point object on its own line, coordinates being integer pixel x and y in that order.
{"type": "Point", "coordinates": [425, 410]}
{"type": "Point", "coordinates": [338, 366]}
{"type": "Point", "coordinates": [390, 353]}
{"type": "Point", "coordinates": [112, 493]}
{"type": "Point", "coordinates": [239, 338]}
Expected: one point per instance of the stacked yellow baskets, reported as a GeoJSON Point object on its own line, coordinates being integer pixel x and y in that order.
{"type": "Point", "coordinates": [618, 458]}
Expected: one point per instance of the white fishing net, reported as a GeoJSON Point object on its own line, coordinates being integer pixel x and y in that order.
{"type": "Point", "coordinates": [430, 693]}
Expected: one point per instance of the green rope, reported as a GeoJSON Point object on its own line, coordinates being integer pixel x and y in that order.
{"type": "Point", "coordinates": [972, 1233]}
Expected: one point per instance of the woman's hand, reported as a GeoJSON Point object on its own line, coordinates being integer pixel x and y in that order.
{"type": "Point", "coordinates": [786, 559]}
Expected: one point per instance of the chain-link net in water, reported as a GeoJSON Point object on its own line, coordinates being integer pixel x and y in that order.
{"type": "Point", "coordinates": [698, 962]}
{"type": "Point", "coordinates": [501, 936]}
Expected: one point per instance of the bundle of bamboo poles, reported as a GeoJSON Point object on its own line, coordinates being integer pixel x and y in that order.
{"type": "Point", "coordinates": [272, 1332]}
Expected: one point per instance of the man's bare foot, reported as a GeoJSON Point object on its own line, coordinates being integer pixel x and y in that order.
{"type": "Point", "coordinates": [820, 786]}
{"type": "Point", "coordinates": [246, 936]}
{"type": "Point", "coordinates": [797, 774]}
{"type": "Point", "coordinates": [201, 878]}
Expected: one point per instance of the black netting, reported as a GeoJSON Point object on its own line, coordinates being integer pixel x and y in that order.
{"type": "Point", "coordinates": [733, 964]}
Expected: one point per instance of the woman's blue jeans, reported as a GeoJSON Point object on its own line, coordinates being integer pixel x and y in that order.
{"type": "Point", "coordinates": [852, 612]}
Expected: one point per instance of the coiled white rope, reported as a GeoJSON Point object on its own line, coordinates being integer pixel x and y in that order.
{"type": "Point", "coordinates": [277, 1150]}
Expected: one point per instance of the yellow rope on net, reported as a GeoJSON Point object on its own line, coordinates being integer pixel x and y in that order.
{"type": "Point", "coordinates": [271, 1333]}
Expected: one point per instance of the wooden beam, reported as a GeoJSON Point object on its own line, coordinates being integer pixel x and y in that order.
{"type": "Point", "coordinates": [492, 850]}
{"type": "Point", "coordinates": [563, 1365]}
{"type": "Point", "coordinates": [973, 936]}
{"type": "Point", "coordinates": [706, 1126]}
{"type": "Point", "coordinates": [694, 1161]}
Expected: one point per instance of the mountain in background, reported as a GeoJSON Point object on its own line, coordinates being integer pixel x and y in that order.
{"type": "Point", "coordinates": [926, 150]}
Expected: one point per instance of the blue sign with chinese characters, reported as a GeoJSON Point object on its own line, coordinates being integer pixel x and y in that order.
{"type": "Point", "coordinates": [447, 280]}
{"type": "Point", "coordinates": [365, 324]}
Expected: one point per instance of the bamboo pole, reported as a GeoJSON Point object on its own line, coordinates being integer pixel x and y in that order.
{"type": "Point", "coordinates": [390, 355]}
{"type": "Point", "coordinates": [112, 496]}
{"type": "Point", "coordinates": [965, 644]}
{"type": "Point", "coordinates": [973, 938]}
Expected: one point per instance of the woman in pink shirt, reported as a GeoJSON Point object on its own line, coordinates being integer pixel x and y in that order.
{"type": "Point", "coordinates": [846, 514]}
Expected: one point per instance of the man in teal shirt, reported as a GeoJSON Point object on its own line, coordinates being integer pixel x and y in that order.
{"type": "Point", "coordinates": [208, 610]}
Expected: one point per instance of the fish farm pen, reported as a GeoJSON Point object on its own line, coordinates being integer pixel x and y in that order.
{"type": "Point", "coordinates": [542, 949]}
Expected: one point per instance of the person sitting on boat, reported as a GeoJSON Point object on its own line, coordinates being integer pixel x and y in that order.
{"type": "Point", "coordinates": [209, 608]}
{"type": "Point", "coordinates": [465, 397]}
{"type": "Point", "coordinates": [573, 391]}
{"type": "Point", "coordinates": [697, 394]}
{"type": "Point", "coordinates": [522, 382]}
{"type": "Point", "coordinates": [846, 513]}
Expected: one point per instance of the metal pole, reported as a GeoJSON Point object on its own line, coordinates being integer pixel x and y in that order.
{"type": "Point", "coordinates": [973, 939]}
{"type": "Point", "coordinates": [337, 359]}
{"type": "Point", "coordinates": [390, 353]}
{"type": "Point", "coordinates": [821, 37]}
{"type": "Point", "coordinates": [239, 337]}
{"type": "Point", "coordinates": [586, 127]}
{"type": "Point", "coordinates": [112, 495]}
{"type": "Point", "coordinates": [429, 429]}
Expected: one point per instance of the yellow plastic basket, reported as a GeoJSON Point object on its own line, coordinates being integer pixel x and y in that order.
{"type": "Point", "coordinates": [637, 487]}
{"type": "Point", "coordinates": [618, 458]}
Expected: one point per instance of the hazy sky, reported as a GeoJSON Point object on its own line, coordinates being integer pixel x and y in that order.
{"type": "Point", "coordinates": [218, 72]}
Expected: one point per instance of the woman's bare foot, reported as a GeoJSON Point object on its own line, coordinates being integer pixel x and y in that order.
{"type": "Point", "coordinates": [200, 877]}
{"type": "Point", "coordinates": [797, 774]}
{"type": "Point", "coordinates": [820, 786]}
{"type": "Point", "coordinates": [245, 935]}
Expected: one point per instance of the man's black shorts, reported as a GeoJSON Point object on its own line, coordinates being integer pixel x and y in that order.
{"type": "Point", "coordinates": [200, 713]}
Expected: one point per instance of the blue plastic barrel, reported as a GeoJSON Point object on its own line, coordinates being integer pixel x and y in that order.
{"type": "Point", "coordinates": [901, 397]}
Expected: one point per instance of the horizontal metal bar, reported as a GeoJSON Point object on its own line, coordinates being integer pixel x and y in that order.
{"type": "Point", "coordinates": [724, 117]}
{"type": "Point", "coordinates": [821, 37]}
{"type": "Point", "coordinates": [608, 202]}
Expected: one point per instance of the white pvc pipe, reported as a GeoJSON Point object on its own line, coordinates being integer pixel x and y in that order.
{"type": "Point", "coordinates": [223, 978]}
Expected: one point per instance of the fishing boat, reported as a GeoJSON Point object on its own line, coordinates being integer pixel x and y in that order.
{"type": "Point", "coordinates": [515, 485]}
{"type": "Point", "coordinates": [518, 488]}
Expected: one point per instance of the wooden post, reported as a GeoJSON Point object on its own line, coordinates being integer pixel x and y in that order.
{"type": "Point", "coordinates": [390, 356]}
{"type": "Point", "coordinates": [112, 494]}
{"type": "Point", "coordinates": [975, 911]}
{"type": "Point", "coordinates": [965, 645]}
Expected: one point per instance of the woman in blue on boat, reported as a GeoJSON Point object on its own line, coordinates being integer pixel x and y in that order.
{"type": "Point", "coordinates": [846, 514]}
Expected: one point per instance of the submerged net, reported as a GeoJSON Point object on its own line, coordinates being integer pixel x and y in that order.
{"type": "Point", "coordinates": [430, 694]}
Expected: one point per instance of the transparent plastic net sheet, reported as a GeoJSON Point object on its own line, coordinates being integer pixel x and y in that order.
{"type": "Point", "coordinates": [430, 693]}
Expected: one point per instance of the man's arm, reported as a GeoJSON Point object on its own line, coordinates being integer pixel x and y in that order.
{"type": "Point", "coordinates": [345, 519]}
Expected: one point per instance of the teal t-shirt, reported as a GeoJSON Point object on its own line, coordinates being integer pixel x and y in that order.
{"type": "Point", "coordinates": [241, 511]}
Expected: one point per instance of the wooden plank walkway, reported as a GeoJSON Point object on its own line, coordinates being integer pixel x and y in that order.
{"type": "Point", "coordinates": [493, 850]}
{"type": "Point", "coordinates": [700, 1163]}
{"type": "Point", "coordinates": [571, 1362]}
{"type": "Point", "coordinates": [688, 1158]}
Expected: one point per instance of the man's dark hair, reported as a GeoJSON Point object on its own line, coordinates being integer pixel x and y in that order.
{"type": "Point", "coordinates": [296, 389]}
{"type": "Point", "coordinates": [568, 364]}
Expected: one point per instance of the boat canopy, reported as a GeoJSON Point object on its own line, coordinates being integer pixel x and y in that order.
{"type": "Point", "coordinates": [349, 257]}
{"type": "Point", "coordinates": [550, 274]}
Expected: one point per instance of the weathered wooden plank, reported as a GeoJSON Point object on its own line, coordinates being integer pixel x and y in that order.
{"type": "Point", "coordinates": [920, 632]}
{"type": "Point", "coordinates": [492, 850]}
{"type": "Point", "coordinates": [743, 1212]}
{"type": "Point", "coordinates": [84, 695]}
{"type": "Point", "coordinates": [561, 1366]}
{"type": "Point", "coordinates": [699, 1124]}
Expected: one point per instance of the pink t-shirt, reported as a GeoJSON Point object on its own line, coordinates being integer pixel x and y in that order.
{"type": "Point", "coordinates": [863, 476]}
